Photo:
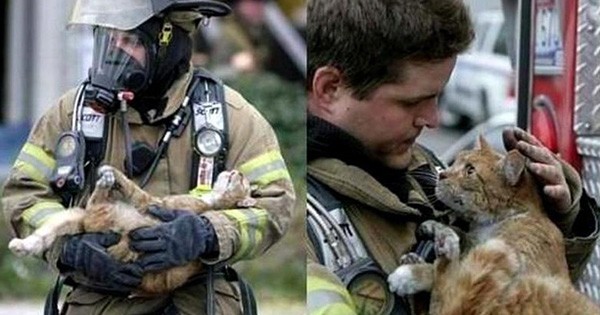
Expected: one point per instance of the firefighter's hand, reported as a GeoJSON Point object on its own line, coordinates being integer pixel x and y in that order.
{"type": "Point", "coordinates": [86, 253]}
{"type": "Point", "coordinates": [182, 237]}
{"type": "Point", "coordinates": [544, 165]}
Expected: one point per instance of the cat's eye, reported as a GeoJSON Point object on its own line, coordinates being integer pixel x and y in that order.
{"type": "Point", "coordinates": [470, 169]}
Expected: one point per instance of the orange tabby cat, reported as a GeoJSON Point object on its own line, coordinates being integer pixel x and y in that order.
{"type": "Point", "coordinates": [515, 263]}
{"type": "Point", "coordinates": [118, 204]}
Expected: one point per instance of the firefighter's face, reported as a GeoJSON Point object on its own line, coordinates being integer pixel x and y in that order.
{"type": "Point", "coordinates": [130, 44]}
{"type": "Point", "coordinates": [120, 61]}
{"type": "Point", "coordinates": [391, 118]}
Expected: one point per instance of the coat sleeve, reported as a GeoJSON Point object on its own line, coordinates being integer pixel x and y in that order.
{"type": "Point", "coordinates": [579, 225]}
{"type": "Point", "coordinates": [245, 233]}
{"type": "Point", "coordinates": [325, 293]}
{"type": "Point", "coordinates": [27, 199]}
{"type": "Point", "coordinates": [581, 240]}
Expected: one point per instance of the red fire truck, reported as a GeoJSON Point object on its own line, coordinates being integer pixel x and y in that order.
{"type": "Point", "coordinates": [558, 89]}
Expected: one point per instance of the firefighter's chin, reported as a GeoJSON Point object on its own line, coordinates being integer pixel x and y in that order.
{"type": "Point", "coordinates": [399, 158]}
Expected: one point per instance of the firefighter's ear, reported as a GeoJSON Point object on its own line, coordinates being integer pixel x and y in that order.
{"type": "Point", "coordinates": [324, 88]}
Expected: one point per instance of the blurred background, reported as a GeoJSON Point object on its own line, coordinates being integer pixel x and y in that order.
{"type": "Point", "coordinates": [480, 95]}
{"type": "Point", "coordinates": [259, 50]}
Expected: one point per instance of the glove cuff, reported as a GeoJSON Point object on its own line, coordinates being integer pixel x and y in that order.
{"type": "Point", "coordinates": [54, 254]}
{"type": "Point", "coordinates": [211, 241]}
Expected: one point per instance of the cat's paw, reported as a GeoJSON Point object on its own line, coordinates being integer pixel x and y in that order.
{"type": "Point", "coordinates": [246, 202]}
{"type": "Point", "coordinates": [403, 281]}
{"type": "Point", "coordinates": [411, 259]}
{"type": "Point", "coordinates": [429, 228]}
{"type": "Point", "coordinates": [233, 183]}
{"type": "Point", "coordinates": [31, 245]}
{"type": "Point", "coordinates": [106, 177]}
{"type": "Point", "coordinates": [121, 252]}
{"type": "Point", "coordinates": [232, 188]}
{"type": "Point", "coordinates": [446, 244]}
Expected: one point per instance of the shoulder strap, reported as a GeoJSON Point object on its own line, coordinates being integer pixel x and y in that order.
{"type": "Point", "coordinates": [92, 124]}
{"type": "Point", "coordinates": [51, 304]}
{"type": "Point", "coordinates": [210, 130]}
{"type": "Point", "coordinates": [333, 235]}
{"type": "Point", "coordinates": [92, 127]}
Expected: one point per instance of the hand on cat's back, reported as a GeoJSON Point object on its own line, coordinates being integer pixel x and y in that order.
{"type": "Point", "coordinates": [544, 165]}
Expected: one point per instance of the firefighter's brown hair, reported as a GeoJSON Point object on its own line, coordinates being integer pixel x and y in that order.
{"type": "Point", "coordinates": [363, 39]}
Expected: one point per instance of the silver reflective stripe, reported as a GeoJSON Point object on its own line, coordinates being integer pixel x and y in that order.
{"type": "Point", "coordinates": [37, 219]}
{"type": "Point", "coordinates": [321, 298]}
{"type": "Point", "coordinates": [251, 224]}
{"type": "Point", "coordinates": [32, 160]}
{"type": "Point", "coordinates": [257, 173]}
{"type": "Point", "coordinates": [252, 221]}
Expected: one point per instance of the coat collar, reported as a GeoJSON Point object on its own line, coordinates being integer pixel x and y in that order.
{"type": "Point", "coordinates": [353, 182]}
{"type": "Point", "coordinates": [175, 95]}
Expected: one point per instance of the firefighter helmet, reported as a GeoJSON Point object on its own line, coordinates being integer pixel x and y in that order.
{"type": "Point", "coordinates": [127, 15]}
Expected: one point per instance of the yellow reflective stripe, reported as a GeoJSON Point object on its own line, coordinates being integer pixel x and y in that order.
{"type": "Point", "coordinates": [200, 190]}
{"type": "Point", "coordinates": [324, 297]}
{"type": "Point", "coordinates": [331, 308]}
{"type": "Point", "coordinates": [35, 162]}
{"type": "Point", "coordinates": [252, 224]}
{"type": "Point", "coordinates": [265, 168]}
{"type": "Point", "coordinates": [39, 213]}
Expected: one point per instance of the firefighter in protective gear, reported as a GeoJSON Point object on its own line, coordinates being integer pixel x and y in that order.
{"type": "Point", "coordinates": [144, 47]}
{"type": "Point", "coordinates": [375, 74]}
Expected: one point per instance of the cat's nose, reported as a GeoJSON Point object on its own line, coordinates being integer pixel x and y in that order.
{"type": "Point", "coordinates": [442, 175]}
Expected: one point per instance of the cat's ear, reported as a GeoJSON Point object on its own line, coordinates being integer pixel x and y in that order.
{"type": "Point", "coordinates": [482, 144]}
{"type": "Point", "coordinates": [513, 166]}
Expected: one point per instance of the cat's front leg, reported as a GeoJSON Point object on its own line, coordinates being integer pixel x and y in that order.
{"type": "Point", "coordinates": [31, 245]}
{"type": "Point", "coordinates": [115, 180]}
{"type": "Point", "coordinates": [231, 189]}
{"type": "Point", "coordinates": [104, 184]}
{"type": "Point", "coordinates": [446, 241]}
{"type": "Point", "coordinates": [412, 276]}
{"type": "Point", "coordinates": [63, 223]}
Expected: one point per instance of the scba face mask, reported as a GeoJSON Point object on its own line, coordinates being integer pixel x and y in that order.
{"type": "Point", "coordinates": [121, 62]}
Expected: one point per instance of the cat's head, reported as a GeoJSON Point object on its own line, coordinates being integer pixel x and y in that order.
{"type": "Point", "coordinates": [484, 185]}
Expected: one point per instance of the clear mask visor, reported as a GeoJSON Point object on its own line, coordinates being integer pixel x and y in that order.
{"type": "Point", "coordinates": [120, 60]}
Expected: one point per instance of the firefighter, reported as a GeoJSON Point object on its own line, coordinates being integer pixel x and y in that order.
{"type": "Point", "coordinates": [376, 70]}
{"type": "Point", "coordinates": [130, 113]}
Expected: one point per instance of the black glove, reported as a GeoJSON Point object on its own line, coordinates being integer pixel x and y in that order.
{"type": "Point", "coordinates": [183, 237]}
{"type": "Point", "coordinates": [86, 253]}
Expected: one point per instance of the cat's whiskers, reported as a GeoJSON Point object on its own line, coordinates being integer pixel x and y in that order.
{"type": "Point", "coordinates": [432, 197]}
{"type": "Point", "coordinates": [423, 173]}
